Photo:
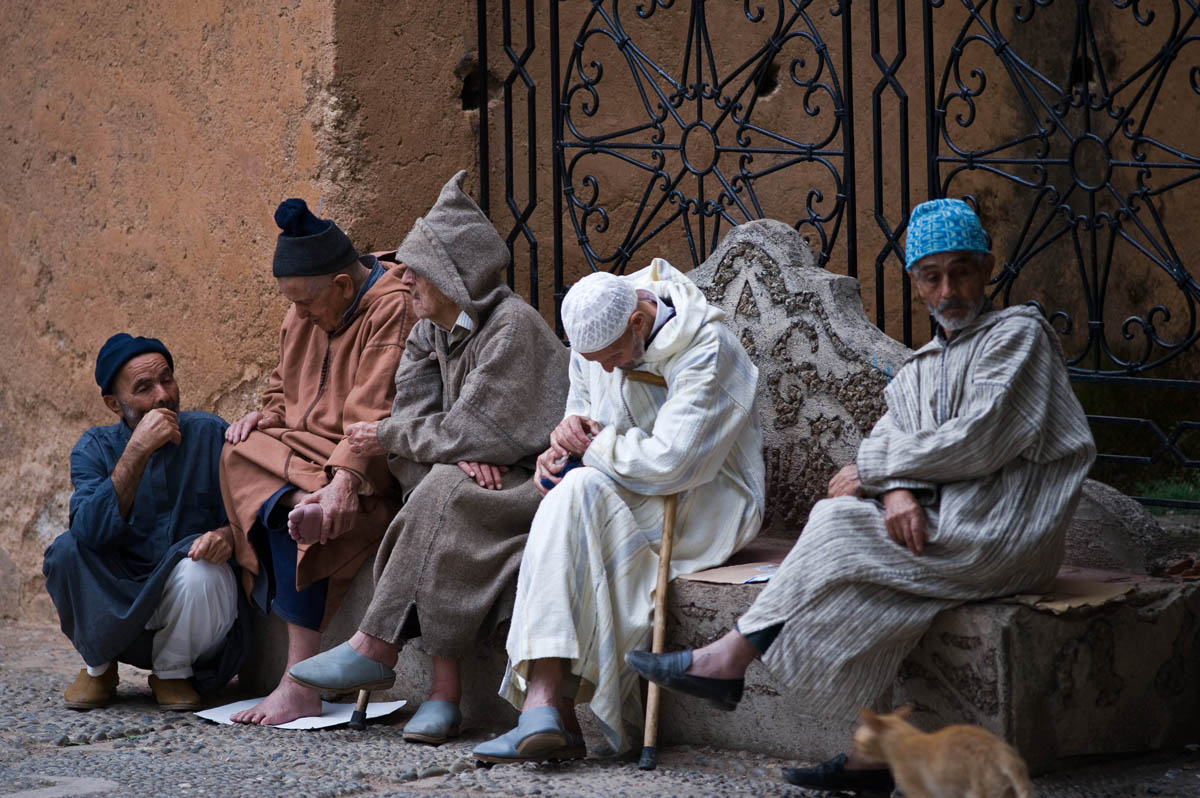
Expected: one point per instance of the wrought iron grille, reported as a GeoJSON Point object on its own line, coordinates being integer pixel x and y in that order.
{"type": "Point", "coordinates": [1071, 124]}
{"type": "Point", "coordinates": [697, 149]}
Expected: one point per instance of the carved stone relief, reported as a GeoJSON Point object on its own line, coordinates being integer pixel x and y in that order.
{"type": "Point", "coordinates": [822, 364]}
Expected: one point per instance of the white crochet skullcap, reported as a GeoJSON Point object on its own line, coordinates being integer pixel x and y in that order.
{"type": "Point", "coordinates": [596, 311]}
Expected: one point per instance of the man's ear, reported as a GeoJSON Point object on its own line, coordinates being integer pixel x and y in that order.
{"type": "Point", "coordinates": [113, 404]}
{"type": "Point", "coordinates": [643, 322]}
{"type": "Point", "coordinates": [345, 285]}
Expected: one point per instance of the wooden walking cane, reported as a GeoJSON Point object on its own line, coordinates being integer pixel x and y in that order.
{"type": "Point", "coordinates": [649, 760]}
{"type": "Point", "coordinates": [358, 718]}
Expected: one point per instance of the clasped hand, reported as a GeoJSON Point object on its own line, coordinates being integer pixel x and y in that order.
{"type": "Point", "coordinates": [571, 438]}
{"type": "Point", "coordinates": [485, 474]}
{"type": "Point", "coordinates": [905, 519]}
{"type": "Point", "coordinates": [574, 434]}
{"type": "Point", "coordinates": [903, 515]}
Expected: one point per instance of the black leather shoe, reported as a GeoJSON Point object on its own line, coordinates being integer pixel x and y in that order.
{"type": "Point", "coordinates": [668, 669]}
{"type": "Point", "coordinates": [833, 775]}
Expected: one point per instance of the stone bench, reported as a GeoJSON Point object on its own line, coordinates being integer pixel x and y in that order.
{"type": "Point", "coordinates": [1112, 679]}
{"type": "Point", "coordinates": [1119, 678]}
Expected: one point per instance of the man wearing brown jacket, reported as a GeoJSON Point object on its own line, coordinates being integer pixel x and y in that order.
{"type": "Point", "coordinates": [306, 510]}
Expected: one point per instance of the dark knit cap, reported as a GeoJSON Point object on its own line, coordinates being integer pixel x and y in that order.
{"type": "Point", "coordinates": [308, 246]}
{"type": "Point", "coordinates": [119, 350]}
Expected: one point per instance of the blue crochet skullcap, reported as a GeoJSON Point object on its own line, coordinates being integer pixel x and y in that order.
{"type": "Point", "coordinates": [943, 225]}
{"type": "Point", "coordinates": [119, 350]}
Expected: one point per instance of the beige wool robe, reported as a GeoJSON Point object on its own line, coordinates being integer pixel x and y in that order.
{"type": "Point", "coordinates": [323, 383]}
{"type": "Point", "coordinates": [446, 569]}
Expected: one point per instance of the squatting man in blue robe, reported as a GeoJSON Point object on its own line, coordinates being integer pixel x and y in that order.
{"type": "Point", "coordinates": [142, 574]}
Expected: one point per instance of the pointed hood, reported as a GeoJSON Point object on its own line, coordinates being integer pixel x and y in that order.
{"type": "Point", "coordinates": [456, 248]}
{"type": "Point", "coordinates": [692, 309]}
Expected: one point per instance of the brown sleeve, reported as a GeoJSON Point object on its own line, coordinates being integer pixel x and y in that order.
{"type": "Point", "coordinates": [374, 382]}
{"type": "Point", "coordinates": [272, 398]}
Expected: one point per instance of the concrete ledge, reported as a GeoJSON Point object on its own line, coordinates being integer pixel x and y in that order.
{"type": "Point", "coordinates": [1119, 678]}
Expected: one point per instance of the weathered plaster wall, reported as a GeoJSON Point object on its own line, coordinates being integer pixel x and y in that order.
{"type": "Point", "coordinates": [145, 146]}
{"type": "Point", "coordinates": [144, 149]}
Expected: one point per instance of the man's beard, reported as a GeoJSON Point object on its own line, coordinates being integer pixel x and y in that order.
{"type": "Point", "coordinates": [133, 418]}
{"type": "Point", "coordinates": [955, 324]}
{"type": "Point", "coordinates": [638, 356]}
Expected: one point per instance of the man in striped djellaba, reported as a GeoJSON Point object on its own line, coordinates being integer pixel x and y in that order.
{"type": "Point", "coordinates": [962, 491]}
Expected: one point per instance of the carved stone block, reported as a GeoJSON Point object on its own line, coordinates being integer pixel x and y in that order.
{"type": "Point", "coordinates": [822, 364]}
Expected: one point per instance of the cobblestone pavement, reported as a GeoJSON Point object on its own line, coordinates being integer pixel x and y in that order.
{"type": "Point", "coordinates": [133, 749]}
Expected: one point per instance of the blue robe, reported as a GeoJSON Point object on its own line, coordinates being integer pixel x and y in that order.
{"type": "Point", "coordinates": [106, 573]}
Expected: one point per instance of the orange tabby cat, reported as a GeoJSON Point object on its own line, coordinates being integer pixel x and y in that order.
{"type": "Point", "coordinates": [955, 762]}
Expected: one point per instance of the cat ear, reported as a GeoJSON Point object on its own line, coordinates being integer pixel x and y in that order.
{"type": "Point", "coordinates": [869, 719]}
{"type": "Point", "coordinates": [904, 711]}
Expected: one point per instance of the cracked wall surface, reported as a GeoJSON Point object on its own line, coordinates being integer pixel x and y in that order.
{"type": "Point", "coordinates": [145, 147]}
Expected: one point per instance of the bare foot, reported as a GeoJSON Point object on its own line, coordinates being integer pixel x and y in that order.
{"type": "Point", "coordinates": [304, 523]}
{"type": "Point", "coordinates": [286, 703]}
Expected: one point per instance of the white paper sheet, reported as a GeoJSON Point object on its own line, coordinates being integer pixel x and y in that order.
{"type": "Point", "coordinates": [331, 714]}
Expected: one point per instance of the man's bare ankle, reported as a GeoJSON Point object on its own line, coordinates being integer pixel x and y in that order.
{"type": "Point", "coordinates": [451, 696]}
{"type": "Point", "coordinates": [374, 648]}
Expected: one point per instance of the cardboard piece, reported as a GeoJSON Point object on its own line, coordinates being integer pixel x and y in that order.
{"type": "Point", "coordinates": [744, 574]}
{"type": "Point", "coordinates": [1080, 587]}
{"type": "Point", "coordinates": [1072, 588]}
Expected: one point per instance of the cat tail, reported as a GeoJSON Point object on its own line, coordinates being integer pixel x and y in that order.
{"type": "Point", "coordinates": [1018, 776]}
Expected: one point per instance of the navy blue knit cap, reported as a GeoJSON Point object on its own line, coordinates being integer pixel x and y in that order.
{"type": "Point", "coordinates": [119, 350]}
{"type": "Point", "coordinates": [308, 246]}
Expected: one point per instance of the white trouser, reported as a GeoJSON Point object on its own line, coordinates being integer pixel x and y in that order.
{"type": "Point", "coordinates": [198, 608]}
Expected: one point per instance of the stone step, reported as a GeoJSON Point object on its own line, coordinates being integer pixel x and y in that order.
{"type": "Point", "coordinates": [1119, 678]}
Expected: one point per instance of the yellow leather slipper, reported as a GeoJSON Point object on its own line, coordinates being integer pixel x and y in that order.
{"type": "Point", "coordinates": [175, 694]}
{"type": "Point", "coordinates": [92, 692]}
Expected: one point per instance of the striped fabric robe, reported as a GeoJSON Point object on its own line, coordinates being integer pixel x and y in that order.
{"type": "Point", "coordinates": [586, 584]}
{"type": "Point", "coordinates": [987, 433]}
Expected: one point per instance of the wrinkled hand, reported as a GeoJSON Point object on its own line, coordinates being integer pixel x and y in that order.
{"type": "Point", "coordinates": [215, 546]}
{"type": "Point", "coordinates": [256, 419]}
{"type": "Point", "coordinates": [574, 434]}
{"type": "Point", "coordinates": [844, 482]}
{"type": "Point", "coordinates": [364, 439]}
{"type": "Point", "coordinates": [488, 476]}
{"type": "Point", "coordinates": [905, 519]}
{"type": "Point", "coordinates": [158, 427]}
{"type": "Point", "coordinates": [549, 463]}
{"type": "Point", "coordinates": [339, 505]}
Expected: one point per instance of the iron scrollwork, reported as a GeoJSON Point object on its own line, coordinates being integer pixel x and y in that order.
{"type": "Point", "coordinates": [1085, 174]}
{"type": "Point", "coordinates": [697, 145]}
